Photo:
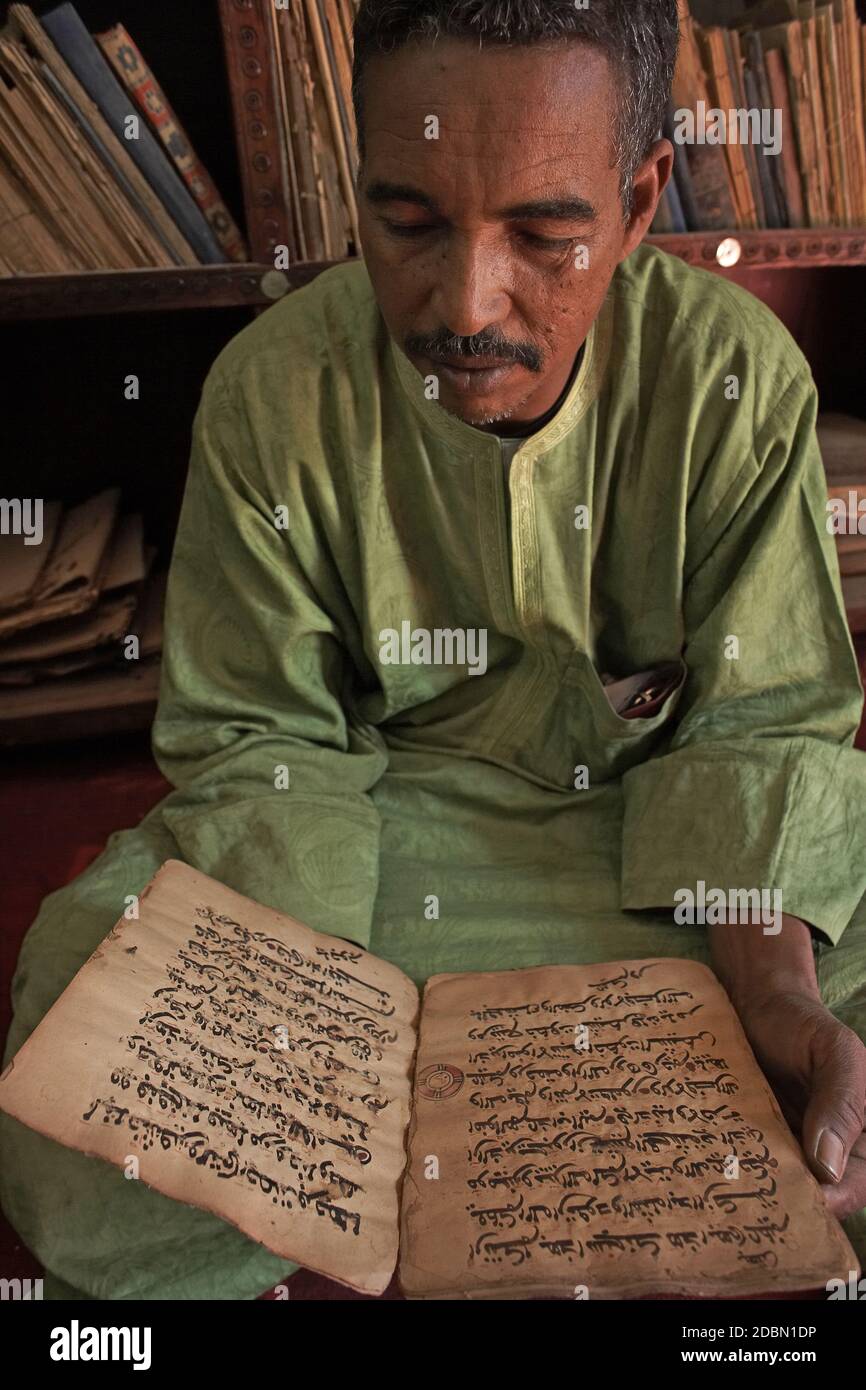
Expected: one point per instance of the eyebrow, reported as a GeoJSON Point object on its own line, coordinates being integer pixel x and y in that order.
{"type": "Point", "coordinates": [544, 209]}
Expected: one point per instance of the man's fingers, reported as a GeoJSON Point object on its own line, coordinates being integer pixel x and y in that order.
{"type": "Point", "coordinates": [833, 1120]}
{"type": "Point", "coordinates": [849, 1196]}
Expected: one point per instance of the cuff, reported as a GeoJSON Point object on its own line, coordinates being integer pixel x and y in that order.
{"type": "Point", "coordinates": [758, 813]}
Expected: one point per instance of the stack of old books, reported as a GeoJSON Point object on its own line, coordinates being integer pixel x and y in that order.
{"type": "Point", "coordinates": [843, 449]}
{"type": "Point", "coordinates": [768, 116]}
{"type": "Point", "coordinates": [313, 40]}
{"type": "Point", "coordinates": [80, 618]}
{"type": "Point", "coordinates": [96, 171]}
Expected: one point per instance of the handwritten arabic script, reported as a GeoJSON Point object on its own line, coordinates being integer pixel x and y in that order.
{"type": "Point", "coordinates": [607, 1091]}
{"type": "Point", "coordinates": [262, 1073]}
{"type": "Point", "coordinates": [610, 1128]}
{"type": "Point", "coordinates": [244, 1095]}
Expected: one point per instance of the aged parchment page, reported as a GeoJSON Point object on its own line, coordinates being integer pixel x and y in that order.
{"type": "Point", "coordinates": [604, 1132]}
{"type": "Point", "coordinates": [253, 1067]}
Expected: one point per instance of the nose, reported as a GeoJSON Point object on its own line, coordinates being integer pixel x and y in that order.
{"type": "Point", "coordinates": [470, 295]}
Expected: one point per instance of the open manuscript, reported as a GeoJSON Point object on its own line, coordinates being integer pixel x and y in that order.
{"type": "Point", "coordinates": [599, 1131]}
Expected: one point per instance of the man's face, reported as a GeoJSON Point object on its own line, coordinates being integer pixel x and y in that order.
{"type": "Point", "coordinates": [473, 239]}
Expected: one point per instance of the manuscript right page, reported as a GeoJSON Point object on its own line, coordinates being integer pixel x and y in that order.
{"type": "Point", "coordinates": [602, 1132]}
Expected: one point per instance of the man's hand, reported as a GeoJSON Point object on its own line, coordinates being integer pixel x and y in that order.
{"type": "Point", "coordinates": [816, 1066]}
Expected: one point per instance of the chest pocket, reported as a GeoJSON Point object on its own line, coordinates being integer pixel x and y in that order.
{"type": "Point", "coordinates": [606, 742]}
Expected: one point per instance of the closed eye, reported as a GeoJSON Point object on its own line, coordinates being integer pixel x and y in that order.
{"type": "Point", "coordinates": [549, 243]}
{"type": "Point", "coordinates": [407, 229]}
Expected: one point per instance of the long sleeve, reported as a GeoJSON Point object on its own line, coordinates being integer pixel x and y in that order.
{"type": "Point", "coordinates": [759, 785]}
{"type": "Point", "coordinates": [272, 772]}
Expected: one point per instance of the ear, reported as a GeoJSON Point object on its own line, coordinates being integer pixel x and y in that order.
{"type": "Point", "coordinates": [650, 182]}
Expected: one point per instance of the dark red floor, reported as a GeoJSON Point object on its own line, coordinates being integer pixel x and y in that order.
{"type": "Point", "coordinates": [57, 808]}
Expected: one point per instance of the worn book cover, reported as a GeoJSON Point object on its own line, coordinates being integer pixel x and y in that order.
{"type": "Point", "coordinates": [127, 61]}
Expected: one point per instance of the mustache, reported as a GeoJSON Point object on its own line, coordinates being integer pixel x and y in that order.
{"type": "Point", "coordinates": [488, 343]}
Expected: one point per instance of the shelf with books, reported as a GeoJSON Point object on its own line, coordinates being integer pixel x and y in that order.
{"type": "Point", "coordinates": [264, 93]}
{"type": "Point", "coordinates": [97, 170]}
{"type": "Point", "coordinates": [112, 245]}
{"type": "Point", "coordinates": [257, 284]}
{"type": "Point", "coordinates": [768, 124]}
{"type": "Point", "coordinates": [149, 291]}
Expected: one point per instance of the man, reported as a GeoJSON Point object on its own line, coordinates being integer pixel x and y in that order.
{"type": "Point", "coordinates": [516, 454]}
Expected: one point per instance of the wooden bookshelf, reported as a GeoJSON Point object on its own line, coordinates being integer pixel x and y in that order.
{"type": "Point", "coordinates": [69, 339]}
{"type": "Point", "coordinates": [149, 291]}
{"type": "Point", "coordinates": [259, 285]}
{"type": "Point", "coordinates": [247, 31]}
{"type": "Point", "coordinates": [809, 248]}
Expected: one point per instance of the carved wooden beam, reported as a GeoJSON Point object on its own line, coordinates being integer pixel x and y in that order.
{"type": "Point", "coordinates": [248, 39]}
{"type": "Point", "coordinates": [765, 249]}
{"type": "Point", "coordinates": [148, 291]}
{"type": "Point", "coordinates": [257, 285]}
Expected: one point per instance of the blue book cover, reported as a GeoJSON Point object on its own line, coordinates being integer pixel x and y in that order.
{"type": "Point", "coordinates": [109, 161]}
{"type": "Point", "coordinates": [682, 178]}
{"type": "Point", "coordinates": [676, 208]}
{"type": "Point", "coordinates": [663, 222]}
{"type": "Point", "coordinates": [93, 71]}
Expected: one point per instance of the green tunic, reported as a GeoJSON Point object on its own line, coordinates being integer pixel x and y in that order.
{"type": "Point", "coordinates": [440, 817]}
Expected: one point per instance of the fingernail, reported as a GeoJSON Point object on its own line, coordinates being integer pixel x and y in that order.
{"type": "Point", "coordinates": [830, 1153]}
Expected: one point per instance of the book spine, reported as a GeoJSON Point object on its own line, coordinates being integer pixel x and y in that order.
{"type": "Point", "coordinates": [707, 167]}
{"type": "Point", "coordinates": [94, 195]}
{"type": "Point", "coordinates": [811, 112]}
{"type": "Point", "coordinates": [84, 57]}
{"type": "Point", "coordinates": [740, 82]}
{"type": "Point", "coordinates": [791, 39]}
{"type": "Point", "coordinates": [848, 49]}
{"type": "Point", "coordinates": [722, 97]}
{"type": "Point", "coordinates": [341, 56]}
{"type": "Point", "coordinates": [156, 250]}
{"type": "Point", "coordinates": [327, 194]}
{"type": "Point", "coordinates": [676, 207]}
{"type": "Point", "coordinates": [23, 155]}
{"type": "Point", "coordinates": [828, 67]}
{"type": "Point", "coordinates": [777, 78]}
{"type": "Point", "coordinates": [28, 246]}
{"type": "Point", "coordinates": [758, 99]}
{"type": "Point", "coordinates": [295, 240]}
{"type": "Point", "coordinates": [682, 177]}
{"type": "Point", "coordinates": [663, 222]}
{"type": "Point", "coordinates": [171, 246]}
{"type": "Point", "coordinates": [127, 61]}
{"type": "Point", "coordinates": [310, 222]}
{"type": "Point", "coordinates": [774, 164]}
{"type": "Point", "coordinates": [341, 153]}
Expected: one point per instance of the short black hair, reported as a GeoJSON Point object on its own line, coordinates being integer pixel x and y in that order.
{"type": "Point", "coordinates": [639, 38]}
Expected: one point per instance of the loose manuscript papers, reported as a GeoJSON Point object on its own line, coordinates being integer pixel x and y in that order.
{"type": "Point", "coordinates": [254, 1068]}
{"type": "Point", "coordinates": [599, 1131]}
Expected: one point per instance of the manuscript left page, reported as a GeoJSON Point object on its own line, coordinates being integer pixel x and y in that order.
{"type": "Point", "coordinates": [251, 1067]}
